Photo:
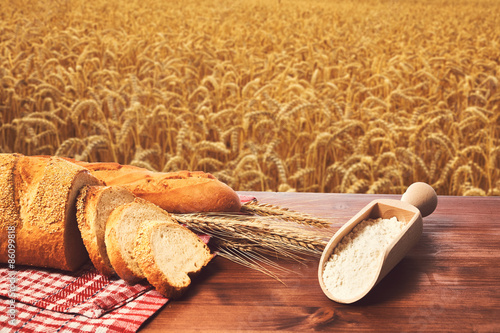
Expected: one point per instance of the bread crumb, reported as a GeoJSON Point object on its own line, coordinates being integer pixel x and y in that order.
{"type": "Point", "coordinates": [352, 266]}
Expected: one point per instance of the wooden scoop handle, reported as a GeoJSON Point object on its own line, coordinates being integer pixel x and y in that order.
{"type": "Point", "coordinates": [422, 196]}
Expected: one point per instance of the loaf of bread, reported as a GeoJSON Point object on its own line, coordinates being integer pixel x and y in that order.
{"type": "Point", "coordinates": [62, 212]}
{"type": "Point", "coordinates": [121, 230]}
{"type": "Point", "coordinates": [169, 254]}
{"type": "Point", "coordinates": [94, 205]}
{"type": "Point", "coordinates": [175, 192]}
{"type": "Point", "coordinates": [39, 200]}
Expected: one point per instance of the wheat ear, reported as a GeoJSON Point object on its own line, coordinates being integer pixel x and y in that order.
{"type": "Point", "coordinates": [266, 232]}
{"type": "Point", "coordinates": [254, 207]}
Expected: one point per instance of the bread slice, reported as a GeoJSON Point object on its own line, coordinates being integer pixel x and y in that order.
{"type": "Point", "coordinates": [45, 190]}
{"type": "Point", "coordinates": [121, 229]}
{"type": "Point", "coordinates": [169, 254]}
{"type": "Point", "coordinates": [94, 205]}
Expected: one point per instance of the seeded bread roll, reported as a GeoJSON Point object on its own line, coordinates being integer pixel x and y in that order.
{"type": "Point", "coordinates": [45, 191]}
{"type": "Point", "coordinates": [121, 230]}
{"type": "Point", "coordinates": [94, 205]}
{"type": "Point", "coordinates": [169, 254]}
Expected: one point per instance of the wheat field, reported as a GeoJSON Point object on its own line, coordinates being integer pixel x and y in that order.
{"type": "Point", "coordinates": [363, 96]}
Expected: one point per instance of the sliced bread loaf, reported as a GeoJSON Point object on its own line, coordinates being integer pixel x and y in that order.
{"type": "Point", "coordinates": [94, 205]}
{"type": "Point", "coordinates": [121, 229]}
{"type": "Point", "coordinates": [168, 255]}
{"type": "Point", "coordinates": [42, 198]}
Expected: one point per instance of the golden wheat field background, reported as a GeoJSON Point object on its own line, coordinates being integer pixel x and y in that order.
{"type": "Point", "coordinates": [324, 96]}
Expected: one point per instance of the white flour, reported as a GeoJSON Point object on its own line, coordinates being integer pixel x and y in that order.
{"type": "Point", "coordinates": [351, 267]}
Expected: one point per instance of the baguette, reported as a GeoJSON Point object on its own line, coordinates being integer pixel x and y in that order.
{"type": "Point", "coordinates": [94, 205]}
{"type": "Point", "coordinates": [121, 230]}
{"type": "Point", "coordinates": [176, 192]}
{"type": "Point", "coordinates": [169, 254]}
{"type": "Point", "coordinates": [44, 210]}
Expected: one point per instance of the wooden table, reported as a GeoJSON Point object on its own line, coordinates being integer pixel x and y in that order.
{"type": "Point", "coordinates": [449, 282]}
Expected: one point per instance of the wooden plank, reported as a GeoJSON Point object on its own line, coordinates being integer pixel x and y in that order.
{"type": "Point", "coordinates": [448, 282]}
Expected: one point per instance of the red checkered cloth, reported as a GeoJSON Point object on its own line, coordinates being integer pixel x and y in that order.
{"type": "Point", "coordinates": [47, 300]}
{"type": "Point", "coordinates": [84, 301]}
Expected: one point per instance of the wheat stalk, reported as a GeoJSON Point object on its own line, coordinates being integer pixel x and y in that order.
{"type": "Point", "coordinates": [325, 97]}
{"type": "Point", "coordinates": [265, 232]}
{"type": "Point", "coordinates": [261, 232]}
{"type": "Point", "coordinates": [254, 207]}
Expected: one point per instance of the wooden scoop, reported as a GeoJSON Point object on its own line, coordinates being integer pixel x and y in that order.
{"type": "Point", "coordinates": [418, 201]}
